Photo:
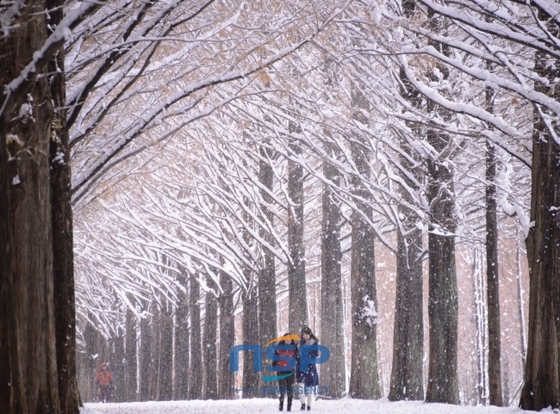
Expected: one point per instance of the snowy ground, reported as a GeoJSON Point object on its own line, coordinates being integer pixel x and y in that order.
{"type": "Point", "coordinates": [344, 406]}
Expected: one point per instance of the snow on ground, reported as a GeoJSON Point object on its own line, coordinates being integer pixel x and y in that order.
{"type": "Point", "coordinates": [262, 405]}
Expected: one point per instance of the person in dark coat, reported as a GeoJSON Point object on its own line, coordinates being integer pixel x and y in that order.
{"type": "Point", "coordinates": [307, 380]}
{"type": "Point", "coordinates": [285, 384]}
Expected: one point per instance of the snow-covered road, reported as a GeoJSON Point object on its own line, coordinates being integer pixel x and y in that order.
{"type": "Point", "coordinates": [344, 406]}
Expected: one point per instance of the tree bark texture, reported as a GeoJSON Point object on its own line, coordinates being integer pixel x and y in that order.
{"type": "Point", "coordinates": [29, 381]}
{"type": "Point", "coordinates": [481, 333]}
{"type": "Point", "coordinates": [443, 305]}
{"type": "Point", "coordinates": [196, 373]}
{"type": "Point", "coordinates": [155, 349]}
{"type": "Point", "coordinates": [333, 372]}
{"type": "Point", "coordinates": [520, 303]}
{"type": "Point", "coordinates": [408, 334]}
{"type": "Point", "coordinates": [493, 284]}
{"type": "Point", "coordinates": [296, 267]}
{"type": "Point", "coordinates": [542, 387]}
{"type": "Point", "coordinates": [181, 347]}
{"type": "Point", "coordinates": [165, 354]}
{"type": "Point", "coordinates": [443, 383]}
{"type": "Point", "coordinates": [210, 357]}
{"type": "Point", "coordinates": [130, 364]}
{"type": "Point", "coordinates": [227, 337]}
{"type": "Point", "coordinates": [267, 278]}
{"type": "Point", "coordinates": [145, 359]}
{"type": "Point", "coordinates": [250, 336]}
{"type": "Point", "coordinates": [364, 376]}
{"type": "Point", "coordinates": [117, 367]}
{"type": "Point", "coordinates": [94, 352]}
{"type": "Point", "coordinates": [63, 253]}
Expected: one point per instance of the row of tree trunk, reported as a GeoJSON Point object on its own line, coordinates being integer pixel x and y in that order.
{"type": "Point", "coordinates": [174, 354]}
{"type": "Point", "coordinates": [179, 331]}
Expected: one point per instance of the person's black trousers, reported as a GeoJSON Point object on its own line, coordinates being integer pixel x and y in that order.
{"type": "Point", "coordinates": [285, 385]}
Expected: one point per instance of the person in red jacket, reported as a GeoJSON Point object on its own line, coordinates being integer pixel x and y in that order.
{"type": "Point", "coordinates": [104, 380]}
{"type": "Point", "coordinates": [286, 384]}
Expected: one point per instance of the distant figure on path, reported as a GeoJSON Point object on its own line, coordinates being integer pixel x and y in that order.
{"type": "Point", "coordinates": [104, 380]}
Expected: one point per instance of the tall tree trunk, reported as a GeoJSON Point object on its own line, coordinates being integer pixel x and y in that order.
{"type": "Point", "coordinates": [481, 319]}
{"type": "Point", "coordinates": [209, 348]}
{"type": "Point", "coordinates": [297, 291]}
{"type": "Point", "coordinates": [332, 312]}
{"type": "Point", "coordinates": [492, 284]}
{"type": "Point", "coordinates": [118, 367]}
{"type": "Point", "coordinates": [520, 302]}
{"type": "Point", "coordinates": [364, 376]}
{"type": "Point", "coordinates": [95, 351]}
{"type": "Point", "coordinates": [155, 333]}
{"type": "Point", "coordinates": [443, 301]}
{"type": "Point", "coordinates": [267, 278]}
{"type": "Point", "coordinates": [407, 381]}
{"type": "Point", "coordinates": [195, 384]}
{"type": "Point", "coordinates": [131, 365]}
{"type": "Point", "coordinates": [250, 336]}
{"type": "Point", "coordinates": [181, 347]}
{"type": "Point", "coordinates": [443, 305]}
{"type": "Point", "coordinates": [227, 337]}
{"type": "Point", "coordinates": [8, 345]}
{"type": "Point", "coordinates": [145, 359]}
{"type": "Point", "coordinates": [542, 382]}
{"type": "Point", "coordinates": [63, 248]}
{"type": "Point", "coordinates": [86, 364]}
{"type": "Point", "coordinates": [29, 380]}
{"type": "Point", "coordinates": [408, 334]}
{"type": "Point", "coordinates": [165, 354]}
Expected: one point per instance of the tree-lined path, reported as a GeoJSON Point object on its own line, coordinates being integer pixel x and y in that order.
{"type": "Point", "coordinates": [180, 176]}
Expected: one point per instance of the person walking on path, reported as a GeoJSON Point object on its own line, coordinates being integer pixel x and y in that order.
{"type": "Point", "coordinates": [104, 380]}
{"type": "Point", "coordinates": [285, 384]}
{"type": "Point", "coordinates": [309, 379]}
